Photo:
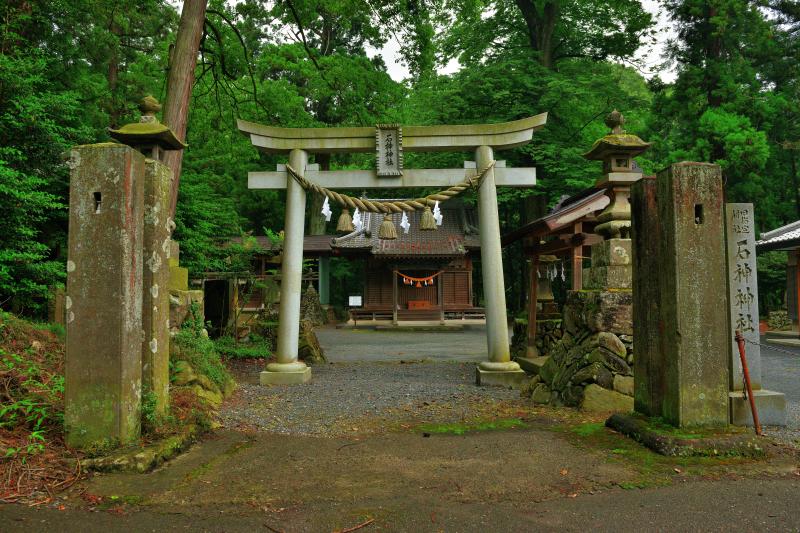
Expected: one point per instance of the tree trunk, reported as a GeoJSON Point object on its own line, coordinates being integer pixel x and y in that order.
{"type": "Point", "coordinates": [540, 28]}
{"type": "Point", "coordinates": [114, 110]}
{"type": "Point", "coordinates": [180, 81]}
{"type": "Point", "coordinates": [795, 186]}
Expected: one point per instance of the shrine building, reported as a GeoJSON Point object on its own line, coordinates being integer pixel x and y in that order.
{"type": "Point", "coordinates": [422, 275]}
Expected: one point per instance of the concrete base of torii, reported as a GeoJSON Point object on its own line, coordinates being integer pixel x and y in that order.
{"type": "Point", "coordinates": [285, 374]}
{"type": "Point", "coordinates": [511, 379]}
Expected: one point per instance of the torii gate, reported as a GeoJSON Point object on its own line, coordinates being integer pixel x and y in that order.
{"type": "Point", "coordinates": [388, 142]}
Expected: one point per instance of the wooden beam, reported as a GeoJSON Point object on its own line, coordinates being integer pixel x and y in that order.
{"type": "Point", "coordinates": [417, 177]}
{"type": "Point", "coordinates": [562, 245]}
{"type": "Point", "coordinates": [501, 136]}
{"type": "Point", "coordinates": [394, 297]}
{"type": "Point", "coordinates": [532, 295]}
{"type": "Point", "coordinates": [577, 261]}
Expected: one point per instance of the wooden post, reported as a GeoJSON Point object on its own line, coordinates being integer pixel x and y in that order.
{"type": "Point", "coordinates": [797, 287]}
{"type": "Point", "coordinates": [440, 295]}
{"type": "Point", "coordinates": [532, 294]}
{"type": "Point", "coordinates": [577, 260]}
{"type": "Point", "coordinates": [394, 297]}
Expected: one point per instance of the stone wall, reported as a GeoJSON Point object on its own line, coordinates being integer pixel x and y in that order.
{"type": "Point", "coordinates": [548, 333]}
{"type": "Point", "coordinates": [591, 365]}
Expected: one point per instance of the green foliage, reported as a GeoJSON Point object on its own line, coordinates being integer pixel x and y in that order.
{"type": "Point", "coordinates": [461, 429]}
{"type": "Point", "coordinates": [199, 351]}
{"type": "Point", "coordinates": [150, 417]}
{"type": "Point", "coordinates": [32, 392]}
{"type": "Point", "coordinates": [771, 281]}
{"type": "Point", "coordinates": [255, 348]}
{"type": "Point", "coordinates": [729, 103]}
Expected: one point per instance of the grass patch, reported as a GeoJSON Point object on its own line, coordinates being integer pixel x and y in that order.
{"type": "Point", "coordinates": [584, 430]}
{"type": "Point", "coordinates": [460, 429]}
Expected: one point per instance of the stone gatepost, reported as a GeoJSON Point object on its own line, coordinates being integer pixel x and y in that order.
{"type": "Point", "coordinates": [680, 296]}
{"type": "Point", "coordinates": [155, 302]}
{"type": "Point", "coordinates": [103, 371]}
{"type": "Point", "coordinates": [152, 138]}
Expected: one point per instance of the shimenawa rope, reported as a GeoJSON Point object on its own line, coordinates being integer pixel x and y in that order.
{"type": "Point", "coordinates": [395, 206]}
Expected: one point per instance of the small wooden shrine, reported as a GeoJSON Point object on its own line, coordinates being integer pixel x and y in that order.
{"type": "Point", "coordinates": [420, 275]}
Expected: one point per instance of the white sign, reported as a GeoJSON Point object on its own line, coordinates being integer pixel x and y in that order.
{"type": "Point", "coordinates": [389, 149]}
{"type": "Point", "coordinates": [743, 291]}
{"type": "Point", "coordinates": [354, 301]}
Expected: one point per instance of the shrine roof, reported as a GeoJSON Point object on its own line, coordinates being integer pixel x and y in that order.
{"type": "Point", "coordinates": [457, 235]}
{"type": "Point", "coordinates": [578, 207]}
{"type": "Point", "coordinates": [784, 238]}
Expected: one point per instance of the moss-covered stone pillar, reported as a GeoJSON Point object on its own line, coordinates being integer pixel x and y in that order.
{"type": "Point", "coordinates": [156, 277]}
{"type": "Point", "coordinates": [104, 295]}
{"type": "Point", "coordinates": [681, 331]}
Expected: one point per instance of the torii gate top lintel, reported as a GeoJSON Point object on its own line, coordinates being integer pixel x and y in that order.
{"type": "Point", "coordinates": [505, 135]}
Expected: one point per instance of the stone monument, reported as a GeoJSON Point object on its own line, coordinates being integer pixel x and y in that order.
{"type": "Point", "coordinates": [103, 371]}
{"type": "Point", "coordinates": [117, 307]}
{"type": "Point", "coordinates": [743, 301]}
{"type": "Point", "coordinates": [680, 292]}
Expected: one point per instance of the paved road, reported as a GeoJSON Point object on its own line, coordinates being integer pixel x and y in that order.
{"type": "Point", "coordinates": [781, 372]}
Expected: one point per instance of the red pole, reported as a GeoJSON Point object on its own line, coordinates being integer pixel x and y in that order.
{"type": "Point", "coordinates": [740, 341]}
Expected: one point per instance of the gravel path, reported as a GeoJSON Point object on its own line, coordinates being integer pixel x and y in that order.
{"type": "Point", "coordinates": [344, 398]}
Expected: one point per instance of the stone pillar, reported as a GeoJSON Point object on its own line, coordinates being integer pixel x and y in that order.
{"type": "Point", "coordinates": [325, 281]}
{"type": "Point", "coordinates": [288, 370]}
{"type": "Point", "coordinates": [743, 301]}
{"type": "Point", "coordinates": [611, 265]}
{"type": "Point", "coordinates": [103, 373]}
{"type": "Point", "coordinates": [648, 365]}
{"type": "Point", "coordinates": [686, 355]}
{"type": "Point", "coordinates": [156, 276]}
{"type": "Point", "coordinates": [499, 370]}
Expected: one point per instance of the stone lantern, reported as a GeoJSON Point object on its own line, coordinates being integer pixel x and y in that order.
{"type": "Point", "coordinates": [148, 136]}
{"type": "Point", "coordinates": [617, 150]}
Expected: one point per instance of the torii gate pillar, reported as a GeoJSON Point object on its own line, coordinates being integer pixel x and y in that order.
{"type": "Point", "coordinates": [288, 370]}
{"type": "Point", "coordinates": [499, 369]}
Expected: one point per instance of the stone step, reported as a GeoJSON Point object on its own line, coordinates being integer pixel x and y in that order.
{"type": "Point", "coordinates": [531, 365]}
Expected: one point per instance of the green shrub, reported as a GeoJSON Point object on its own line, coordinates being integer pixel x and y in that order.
{"type": "Point", "coordinates": [255, 348]}
{"type": "Point", "coordinates": [200, 352]}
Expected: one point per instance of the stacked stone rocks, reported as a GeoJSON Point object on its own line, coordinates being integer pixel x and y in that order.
{"type": "Point", "coordinates": [591, 364]}
{"type": "Point", "coordinates": [548, 334]}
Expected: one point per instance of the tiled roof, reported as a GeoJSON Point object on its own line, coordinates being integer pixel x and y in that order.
{"type": "Point", "coordinates": [578, 207]}
{"type": "Point", "coordinates": [782, 238]}
{"type": "Point", "coordinates": [457, 234]}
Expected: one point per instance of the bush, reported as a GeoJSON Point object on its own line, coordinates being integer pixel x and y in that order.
{"type": "Point", "coordinates": [256, 348]}
{"type": "Point", "coordinates": [31, 386]}
{"type": "Point", "coordinates": [199, 351]}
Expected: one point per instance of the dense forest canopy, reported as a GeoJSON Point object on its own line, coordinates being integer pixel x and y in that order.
{"type": "Point", "coordinates": [69, 69]}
